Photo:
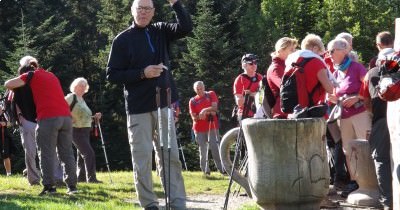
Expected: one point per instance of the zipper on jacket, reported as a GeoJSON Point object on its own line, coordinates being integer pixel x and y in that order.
{"type": "Point", "coordinates": [149, 40]}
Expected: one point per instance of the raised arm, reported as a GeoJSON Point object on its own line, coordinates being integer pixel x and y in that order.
{"type": "Point", "coordinates": [14, 83]}
{"type": "Point", "coordinates": [183, 25]}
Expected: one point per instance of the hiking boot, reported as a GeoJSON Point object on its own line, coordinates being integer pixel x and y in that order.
{"type": "Point", "coordinates": [48, 189]}
{"type": "Point", "coordinates": [339, 185]}
{"type": "Point", "coordinates": [72, 190]}
{"type": "Point", "coordinates": [352, 186]}
{"type": "Point", "coordinates": [60, 183]}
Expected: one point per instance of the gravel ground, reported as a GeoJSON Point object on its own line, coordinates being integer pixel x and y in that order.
{"type": "Point", "coordinates": [216, 202]}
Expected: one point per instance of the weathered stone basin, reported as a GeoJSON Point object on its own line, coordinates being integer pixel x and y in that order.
{"type": "Point", "coordinates": [288, 164]}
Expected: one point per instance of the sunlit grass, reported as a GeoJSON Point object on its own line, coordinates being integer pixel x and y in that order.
{"type": "Point", "coordinates": [15, 192]}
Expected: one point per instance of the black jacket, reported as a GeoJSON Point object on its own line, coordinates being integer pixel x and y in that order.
{"type": "Point", "coordinates": [136, 48]}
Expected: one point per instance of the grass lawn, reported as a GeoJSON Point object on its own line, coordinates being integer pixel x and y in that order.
{"type": "Point", "coordinates": [15, 192]}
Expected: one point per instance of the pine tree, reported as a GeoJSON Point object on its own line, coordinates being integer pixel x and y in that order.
{"type": "Point", "coordinates": [211, 57]}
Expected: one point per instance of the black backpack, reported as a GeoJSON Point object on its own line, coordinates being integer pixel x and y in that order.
{"type": "Point", "coordinates": [293, 89]}
{"type": "Point", "coordinates": [9, 105]}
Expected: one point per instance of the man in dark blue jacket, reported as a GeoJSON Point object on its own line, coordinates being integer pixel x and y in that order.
{"type": "Point", "coordinates": [139, 59]}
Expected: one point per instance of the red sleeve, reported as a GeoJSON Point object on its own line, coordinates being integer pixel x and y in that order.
{"type": "Point", "coordinates": [238, 85]}
{"type": "Point", "coordinates": [364, 89]}
{"type": "Point", "coordinates": [191, 107]}
{"type": "Point", "coordinates": [274, 78]}
{"type": "Point", "coordinates": [213, 97]}
{"type": "Point", "coordinates": [24, 76]}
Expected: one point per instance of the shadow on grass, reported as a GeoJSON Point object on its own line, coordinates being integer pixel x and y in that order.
{"type": "Point", "coordinates": [216, 177]}
{"type": "Point", "coordinates": [9, 205]}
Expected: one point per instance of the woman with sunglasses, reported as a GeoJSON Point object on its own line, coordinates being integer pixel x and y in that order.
{"type": "Point", "coordinates": [246, 83]}
{"type": "Point", "coordinates": [355, 120]}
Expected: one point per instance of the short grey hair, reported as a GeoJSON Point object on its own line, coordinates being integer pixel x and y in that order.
{"type": "Point", "coordinates": [76, 82]}
{"type": "Point", "coordinates": [344, 35]}
{"type": "Point", "coordinates": [28, 60]}
{"type": "Point", "coordinates": [197, 83]}
{"type": "Point", "coordinates": [339, 44]}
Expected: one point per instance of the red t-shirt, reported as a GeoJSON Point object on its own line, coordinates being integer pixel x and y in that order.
{"type": "Point", "coordinates": [311, 70]}
{"type": "Point", "coordinates": [196, 104]}
{"type": "Point", "coordinates": [47, 95]}
{"type": "Point", "coordinates": [242, 83]}
{"type": "Point", "coordinates": [274, 77]}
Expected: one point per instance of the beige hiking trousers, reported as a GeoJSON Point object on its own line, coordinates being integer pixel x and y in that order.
{"type": "Point", "coordinates": [142, 132]}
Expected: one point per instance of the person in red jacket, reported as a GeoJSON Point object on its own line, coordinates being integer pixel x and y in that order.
{"type": "Point", "coordinates": [203, 110]}
{"type": "Point", "coordinates": [247, 83]}
{"type": "Point", "coordinates": [54, 126]}
{"type": "Point", "coordinates": [283, 48]}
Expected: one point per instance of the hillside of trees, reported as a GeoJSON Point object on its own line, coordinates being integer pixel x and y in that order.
{"type": "Point", "coordinates": [73, 38]}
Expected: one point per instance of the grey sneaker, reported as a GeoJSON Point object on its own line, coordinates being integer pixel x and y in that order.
{"type": "Point", "coordinates": [72, 190]}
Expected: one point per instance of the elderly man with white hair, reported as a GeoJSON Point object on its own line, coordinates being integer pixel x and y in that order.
{"type": "Point", "coordinates": [139, 59]}
{"type": "Point", "coordinates": [203, 110]}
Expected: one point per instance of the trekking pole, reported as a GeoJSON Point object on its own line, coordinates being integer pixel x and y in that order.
{"type": "Point", "coordinates": [97, 121]}
{"type": "Point", "coordinates": [237, 147]}
{"type": "Point", "coordinates": [210, 119]}
{"type": "Point", "coordinates": [158, 102]}
{"type": "Point", "coordinates": [242, 167]}
{"type": "Point", "coordinates": [171, 122]}
{"type": "Point", "coordinates": [182, 153]}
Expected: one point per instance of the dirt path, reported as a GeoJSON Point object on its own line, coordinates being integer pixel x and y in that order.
{"type": "Point", "coordinates": [216, 202]}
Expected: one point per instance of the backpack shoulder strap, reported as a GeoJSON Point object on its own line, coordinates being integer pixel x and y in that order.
{"type": "Point", "coordinates": [74, 101]}
{"type": "Point", "coordinates": [303, 62]}
{"type": "Point", "coordinates": [29, 77]}
{"type": "Point", "coordinates": [251, 79]}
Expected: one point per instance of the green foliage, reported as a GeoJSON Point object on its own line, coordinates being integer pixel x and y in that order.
{"type": "Point", "coordinates": [212, 56]}
{"type": "Point", "coordinates": [362, 18]}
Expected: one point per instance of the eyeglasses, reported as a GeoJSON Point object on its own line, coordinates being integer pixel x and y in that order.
{"type": "Point", "coordinates": [145, 9]}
